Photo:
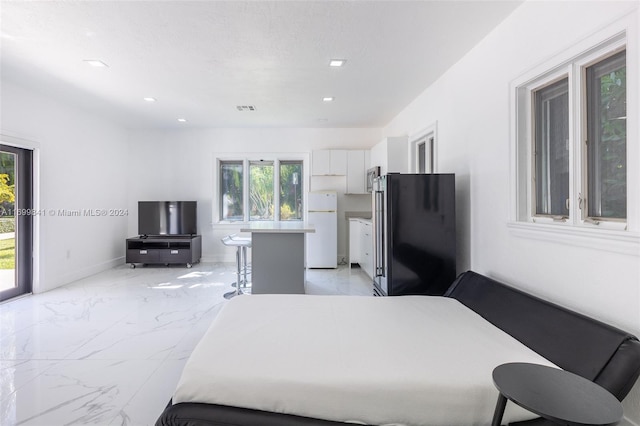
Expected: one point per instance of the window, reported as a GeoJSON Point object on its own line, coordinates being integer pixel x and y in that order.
{"type": "Point", "coordinates": [570, 131]}
{"type": "Point", "coordinates": [290, 190]}
{"type": "Point", "coordinates": [231, 190]}
{"type": "Point", "coordinates": [261, 190]}
{"type": "Point", "coordinates": [425, 155]}
{"type": "Point", "coordinates": [255, 190]}
{"type": "Point", "coordinates": [423, 150]}
{"type": "Point", "coordinates": [606, 83]}
{"type": "Point", "coordinates": [422, 161]}
{"type": "Point", "coordinates": [551, 153]}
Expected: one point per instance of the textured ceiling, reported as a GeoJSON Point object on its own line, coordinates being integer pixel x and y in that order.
{"type": "Point", "coordinates": [200, 59]}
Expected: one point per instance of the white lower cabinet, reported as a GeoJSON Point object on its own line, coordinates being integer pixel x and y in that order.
{"type": "Point", "coordinates": [354, 241]}
{"type": "Point", "coordinates": [366, 248]}
{"type": "Point", "coordinates": [361, 244]}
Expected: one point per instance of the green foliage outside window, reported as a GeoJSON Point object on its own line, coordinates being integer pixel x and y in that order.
{"type": "Point", "coordinates": [231, 190]}
{"type": "Point", "coordinates": [613, 144]}
{"type": "Point", "coordinates": [607, 137]}
{"type": "Point", "coordinates": [7, 207]}
{"type": "Point", "coordinates": [7, 183]}
{"type": "Point", "coordinates": [262, 175]}
{"type": "Point", "coordinates": [7, 192]}
{"type": "Point", "coordinates": [291, 191]}
{"type": "Point", "coordinates": [261, 191]}
{"type": "Point", "coordinates": [7, 253]}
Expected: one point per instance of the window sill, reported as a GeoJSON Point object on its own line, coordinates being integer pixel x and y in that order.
{"type": "Point", "coordinates": [228, 224]}
{"type": "Point", "coordinates": [624, 242]}
{"type": "Point", "coordinates": [244, 223]}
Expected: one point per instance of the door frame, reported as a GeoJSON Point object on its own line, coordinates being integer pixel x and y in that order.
{"type": "Point", "coordinates": [30, 254]}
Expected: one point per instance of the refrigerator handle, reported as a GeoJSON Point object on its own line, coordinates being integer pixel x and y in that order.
{"type": "Point", "coordinates": [378, 234]}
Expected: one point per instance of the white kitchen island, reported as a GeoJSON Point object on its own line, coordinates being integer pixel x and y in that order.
{"type": "Point", "coordinates": [277, 256]}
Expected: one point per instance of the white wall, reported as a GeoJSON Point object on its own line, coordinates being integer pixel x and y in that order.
{"type": "Point", "coordinates": [180, 165]}
{"type": "Point", "coordinates": [471, 105]}
{"type": "Point", "coordinates": [82, 166]}
{"type": "Point", "coordinates": [87, 162]}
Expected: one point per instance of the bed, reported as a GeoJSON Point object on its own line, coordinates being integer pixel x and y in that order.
{"type": "Point", "coordinates": [412, 360]}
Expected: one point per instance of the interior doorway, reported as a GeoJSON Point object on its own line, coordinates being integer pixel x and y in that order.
{"type": "Point", "coordinates": [16, 221]}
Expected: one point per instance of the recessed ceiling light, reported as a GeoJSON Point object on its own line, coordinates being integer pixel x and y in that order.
{"type": "Point", "coordinates": [149, 99]}
{"type": "Point", "coordinates": [96, 63]}
{"type": "Point", "coordinates": [328, 99]}
{"type": "Point", "coordinates": [323, 120]}
{"type": "Point", "coordinates": [182, 120]}
{"type": "Point", "coordinates": [337, 62]}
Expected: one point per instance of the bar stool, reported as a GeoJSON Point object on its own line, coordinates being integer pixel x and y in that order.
{"type": "Point", "coordinates": [242, 265]}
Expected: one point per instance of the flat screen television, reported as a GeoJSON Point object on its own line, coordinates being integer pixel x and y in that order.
{"type": "Point", "coordinates": [167, 218]}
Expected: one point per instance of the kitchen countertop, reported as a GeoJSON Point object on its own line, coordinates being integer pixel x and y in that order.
{"type": "Point", "coordinates": [361, 219]}
{"type": "Point", "coordinates": [357, 215]}
{"type": "Point", "coordinates": [279, 227]}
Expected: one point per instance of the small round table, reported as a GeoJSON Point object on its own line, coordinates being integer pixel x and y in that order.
{"type": "Point", "coordinates": [557, 395]}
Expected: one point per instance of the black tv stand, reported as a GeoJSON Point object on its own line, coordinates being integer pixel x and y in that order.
{"type": "Point", "coordinates": [164, 249]}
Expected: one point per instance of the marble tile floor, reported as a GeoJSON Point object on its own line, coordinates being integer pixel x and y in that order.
{"type": "Point", "coordinates": [109, 349]}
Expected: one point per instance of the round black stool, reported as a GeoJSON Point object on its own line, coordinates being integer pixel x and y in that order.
{"type": "Point", "coordinates": [557, 395]}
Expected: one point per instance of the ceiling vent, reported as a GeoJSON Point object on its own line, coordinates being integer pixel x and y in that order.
{"type": "Point", "coordinates": [242, 108]}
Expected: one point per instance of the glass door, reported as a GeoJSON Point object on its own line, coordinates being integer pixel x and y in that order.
{"type": "Point", "coordinates": [16, 221]}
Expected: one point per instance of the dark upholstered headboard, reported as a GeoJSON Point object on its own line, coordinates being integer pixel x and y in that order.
{"type": "Point", "coordinates": [587, 347]}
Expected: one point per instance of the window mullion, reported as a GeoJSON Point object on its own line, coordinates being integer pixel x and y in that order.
{"type": "Point", "coordinates": [576, 137]}
{"type": "Point", "coordinates": [276, 190]}
{"type": "Point", "coordinates": [245, 189]}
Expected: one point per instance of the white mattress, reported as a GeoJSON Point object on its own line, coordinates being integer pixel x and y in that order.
{"type": "Point", "coordinates": [411, 360]}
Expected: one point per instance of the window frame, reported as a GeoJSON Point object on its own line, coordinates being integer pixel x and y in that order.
{"type": "Point", "coordinates": [578, 229]}
{"type": "Point", "coordinates": [275, 170]}
{"type": "Point", "coordinates": [532, 92]}
{"type": "Point", "coordinates": [584, 136]}
{"type": "Point", "coordinates": [246, 159]}
{"type": "Point", "coordinates": [277, 190]}
{"type": "Point", "coordinates": [220, 202]}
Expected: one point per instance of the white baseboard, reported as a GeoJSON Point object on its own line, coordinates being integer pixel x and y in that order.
{"type": "Point", "coordinates": [218, 259]}
{"type": "Point", "coordinates": [79, 274]}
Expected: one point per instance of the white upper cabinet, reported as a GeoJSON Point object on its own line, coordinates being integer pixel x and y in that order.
{"type": "Point", "coordinates": [321, 162]}
{"type": "Point", "coordinates": [357, 164]}
{"type": "Point", "coordinates": [331, 162]}
{"type": "Point", "coordinates": [338, 162]}
{"type": "Point", "coordinates": [392, 155]}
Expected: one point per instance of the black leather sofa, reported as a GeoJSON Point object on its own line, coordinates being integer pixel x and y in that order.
{"type": "Point", "coordinates": [587, 347]}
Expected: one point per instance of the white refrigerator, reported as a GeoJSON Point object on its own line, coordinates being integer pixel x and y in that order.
{"type": "Point", "coordinates": [322, 245]}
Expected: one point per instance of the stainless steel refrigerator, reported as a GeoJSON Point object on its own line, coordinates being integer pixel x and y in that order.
{"type": "Point", "coordinates": [414, 224]}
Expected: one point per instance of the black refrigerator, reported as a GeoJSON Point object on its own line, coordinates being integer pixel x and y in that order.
{"type": "Point", "coordinates": [414, 227]}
